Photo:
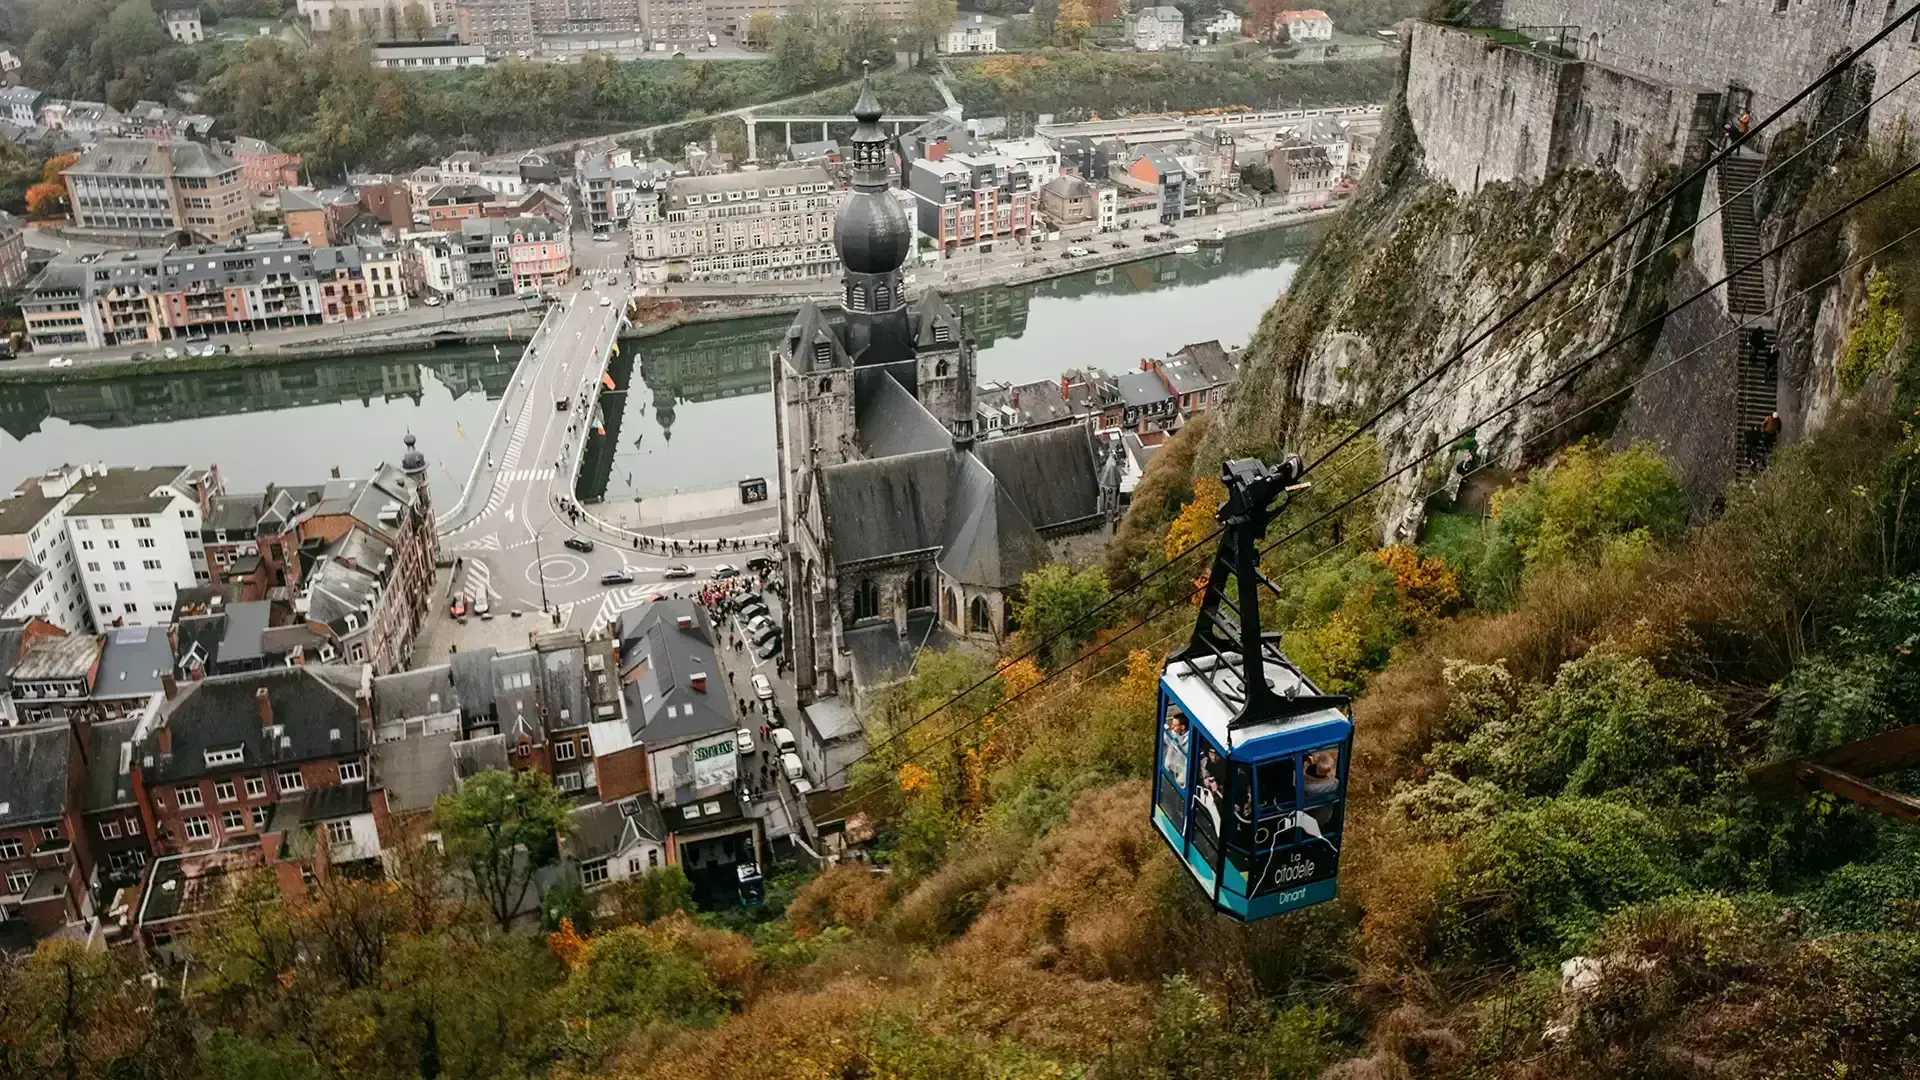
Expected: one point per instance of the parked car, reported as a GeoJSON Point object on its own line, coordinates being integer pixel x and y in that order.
{"type": "Point", "coordinates": [758, 626]}
{"type": "Point", "coordinates": [616, 577]}
{"type": "Point", "coordinates": [802, 786]}
{"type": "Point", "coordinates": [743, 741]}
{"type": "Point", "coordinates": [458, 609]}
{"type": "Point", "coordinates": [481, 605]}
{"type": "Point", "coordinates": [762, 688]}
{"type": "Point", "coordinates": [1078, 252]}
{"type": "Point", "coordinates": [577, 543]}
{"type": "Point", "coordinates": [432, 300]}
{"type": "Point", "coordinates": [754, 610]}
{"type": "Point", "coordinates": [139, 356]}
{"type": "Point", "coordinates": [725, 570]}
{"type": "Point", "coordinates": [783, 741]}
{"type": "Point", "coordinates": [767, 647]}
{"type": "Point", "coordinates": [60, 361]}
{"type": "Point", "coordinates": [1121, 245]}
{"type": "Point", "coordinates": [791, 768]}
{"type": "Point", "coordinates": [760, 564]}
{"type": "Point", "coordinates": [679, 570]}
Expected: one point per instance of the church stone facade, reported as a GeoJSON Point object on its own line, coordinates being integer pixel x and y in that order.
{"type": "Point", "coordinates": [901, 530]}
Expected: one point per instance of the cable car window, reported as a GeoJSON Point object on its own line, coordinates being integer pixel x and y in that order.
{"type": "Point", "coordinates": [1276, 786]}
{"type": "Point", "coordinates": [1171, 783]}
{"type": "Point", "coordinates": [1321, 772]}
{"type": "Point", "coordinates": [1209, 812]}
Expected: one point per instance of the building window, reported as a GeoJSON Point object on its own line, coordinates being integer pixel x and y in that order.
{"type": "Point", "coordinates": [188, 795]}
{"type": "Point", "coordinates": [224, 791]}
{"type": "Point", "coordinates": [593, 873]}
{"type": "Point", "coordinates": [109, 830]}
{"type": "Point", "coordinates": [352, 772]}
{"type": "Point", "coordinates": [567, 781]}
{"type": "Point", "coordinates": [133, 826]}
{"type": "Point", "coordinates": [10, 849]}
{"type": "Point", "coordinates": [142, 523]}
{"type": "Point", "coordinates": [979, 620]}
{"type": "Point", "coordinates": [260, 814]}
{"type": "Point", "coordinates": [256, 786]}
{"type": "Point", "coordinates": [197, 828]}
{"type": "Point", "coordinates": [232, 755]}
{"type": "Point", "coordinates": [50, 832]}
{"type": "Point", "coordinates": [233, 821]}
{"type": "Point", "coordinates": [291, 781]}
{"type": "Point", "coordinates": [563, 750]}
{"type": "Point", "coordinates": [953, 607]}
{"type": "Point", "coordinates": [339, 832]}
{"type": "Point", "coordinates": [18, 881]}
{"type": "Point", "coordinates": [866, 600]}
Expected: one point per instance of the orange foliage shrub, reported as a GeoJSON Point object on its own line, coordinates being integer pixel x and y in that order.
{"type": "Point", "coordinates": [1426, 588]}
{"type": "Point", "coordinates": [850, 894]}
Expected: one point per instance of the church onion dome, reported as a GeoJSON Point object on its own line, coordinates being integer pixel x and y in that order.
{"type": "Point", "coordinates": [872, 233]}
{"type": "Point", "coordinates": [413, 461]}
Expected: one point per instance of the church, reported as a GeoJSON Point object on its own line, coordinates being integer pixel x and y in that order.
{"type": "Point", "coordinates": [902, 531]}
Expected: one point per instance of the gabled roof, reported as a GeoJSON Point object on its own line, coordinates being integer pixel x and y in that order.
{"type": "Point", "coordinates": [110, 765]}
{"type": "Point", "coordinates": [886, 506]}
{"type": "Point", "coordinates": [413, 761]}
{"type": "Point", "coordinates": [1051, 475]}
{"type": "Point", "coordinates": [810, 328]}
{"type": "Point", "coordinates": [406, 695]}
{"type": "Point", "coordinates": [471, 757]}
{"type": "Point", "coordinates": [989, 542]}
{"type": "Point", "coordinates": [33, 773]}
{"type": "Point", "coordinates": [473, 680]}
{"type": "Point", "coordinates": [314, 711]}
{"type": "Point", "coordinates": [604, 829]}
{"type": "Point", "coordinates": [889, 420]}
{"type": "Point", "coordinates": [70, 657]}
{"type": "Point", "coordinates": [16, 577]}
{"type": "Point", "coordinates": [660, 661]}
{"type": "Point", "coordinates": [563, 680]}
{"type": "Point", "coordinates": [1138, 388]}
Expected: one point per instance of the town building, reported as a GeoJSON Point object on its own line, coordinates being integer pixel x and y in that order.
{"type": "Point", "coordinates": [1176, 190]}
{"type": "Point", "coordinates": [183, 26]}
{"type": "Point", "coordinates": [113, 829]}
{"type": "Point", "coordinates": [1224, 26]}
{"type": "Point", "coordinates": [1306, 26]}
{"type": "Point", "coordinates": [1069, 200]}
{"type": "Point", "coordinates": [428, 56]}
{"type": "Point", "coordinates": [493, 257]}
{"type": "Point", "coordinates": [381, 20]}
{"type": "Point", "coordinates": [731, 16]}
{"type": "Point", "coordinates": [610, 842]}
{"type": "Point", "coordinates": [1158, 28]}
{"type": "Point", "coordinates": [52, 679]}
{"type": "Point", "coordinates": [970, 34]}
{"type": "Point", "coordinates": [33, 534]}
{"type": "Point", "coordinates": [85, 120]}
{"type": "Point", "coordinates": [264, 167]}
{"type": "Point", "coordinates": [21, 105]}
{"type": "Point", "coordinates": [369, 548]}
{"type": "Point", "coordinates": [903, 529]}
{"type": "Point", "coordinates": [611, 186]}
{"type": "Point", "coordinates": [153, 295]}
{"type": "Point", "coordinates": [136, 536]}
{"type": "Point", "coordinates": [501, 27]}
{"type": "Point", "coordinates": [770, 225]}
{"type": "Point", "coordinates": [149, 190]}
{"type": "Point", "coordinates": [42, 871]}
{"type": "Point", "coordinates": [972, 200]}
{"type": "Point", "coordinates": [1076, 397]}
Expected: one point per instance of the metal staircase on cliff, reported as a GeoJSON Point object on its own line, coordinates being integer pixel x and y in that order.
{"type": "Point", "coordinates": [1757, 366]}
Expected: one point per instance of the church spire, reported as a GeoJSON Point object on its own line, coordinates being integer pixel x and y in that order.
{"type": "Point", "coordinates": [869, 140]}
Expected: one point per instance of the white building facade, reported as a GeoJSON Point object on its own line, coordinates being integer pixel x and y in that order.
{"type": "Point", "coordinates": [136, 539]}
{"type": "Point", "coordinates": [33, 528]}
{"type": "Point", "coordinates": [1159, 28]}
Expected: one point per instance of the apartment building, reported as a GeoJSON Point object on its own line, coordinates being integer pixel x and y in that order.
{"type": "Point", "coordinates": [972, 200]}
{"type": "Point", "coordinates": [264, 167]}
{"type": "Point", "coordinates": [502, 27]}
{"type": "Point", "coordinates": [357, 281]}
{"type": "Point", "coordinates": [183, 26]}
{"type": "Point", "coordinates": [369, 549]}
{"type": "Point", "coordinates": [33, 538]}
{"type": "Point", "coordinates": [384, 20]}
{"type": "Point", "coordinates": [776, 224]}
{"type": "Point", "coordinates": [42, 881]}
{"type": "Point", "coordinates": [136, 537]}
{"type": "Point", "coordinates": [146, 188]}
{"type": "Point", "coordinates": [154, 295]}
{"type": "Point", "coordinates": [492, 257]}
{"type": "Point", "coordinates": [732, 15]}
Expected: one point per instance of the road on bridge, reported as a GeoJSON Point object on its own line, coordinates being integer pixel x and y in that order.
{"type": "Point", "coordinates": [510, 528]}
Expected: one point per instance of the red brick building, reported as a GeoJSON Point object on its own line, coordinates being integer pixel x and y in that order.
{"type": "Point", "coordinates": [264, 167]}
{"type": "Point", "coordinates": [42, 861]}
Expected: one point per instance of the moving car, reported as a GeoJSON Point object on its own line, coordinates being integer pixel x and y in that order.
{"type": "Point", "coordinates": [616, 577]}
{"type": "Point", "coordinates": [606, 301]}
{"type": "Point", "coordinates": [577, 543]}
{"type": "Point", "coordinates": [458, 609]}
{"type": "Point", "coordinates": [791, 768]}
{"type": "Point", "coordinates": [559, 404]}
{"type": "Point", "coordinates": [762, 688]}
{"type": "Point", "coordinates": [726, 570]}
{"type": "Point", "coordinates": [431, 300]}
{"type": "Point", "coordinates": [743, 741]}
{"type": "Point", "coordinates": [679, 570]}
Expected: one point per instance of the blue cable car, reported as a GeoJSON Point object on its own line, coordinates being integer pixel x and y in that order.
{"type": "Point", "coordinates": [1250, 759]}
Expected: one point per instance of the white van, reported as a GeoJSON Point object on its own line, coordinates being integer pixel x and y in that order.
{"type": "Point", "coordinates": [783, 740]}
{"type": "Point", "coordinates": [790, 766]}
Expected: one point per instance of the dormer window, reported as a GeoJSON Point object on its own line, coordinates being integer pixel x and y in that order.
{"type": "Point", "coordinates": [230, 756]}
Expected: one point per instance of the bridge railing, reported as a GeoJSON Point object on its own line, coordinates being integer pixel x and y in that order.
{"type": "Point", "coordinates": [466, 490]}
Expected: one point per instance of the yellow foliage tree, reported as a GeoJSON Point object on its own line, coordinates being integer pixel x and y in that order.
{"type": "Point", "coordinates": [1424, 587]}
{"type": "Point", "coordinates": [1195, 523]}
{"type": "Point", "coordinates": [567, 944]}
{"type": "Point", "coordinates": [1018, 677]}
{"type": "Point", "coordinates": [1073, 22]}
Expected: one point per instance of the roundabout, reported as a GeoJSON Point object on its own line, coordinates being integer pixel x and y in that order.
{"type": "Point", "coordinates": [557, 571]}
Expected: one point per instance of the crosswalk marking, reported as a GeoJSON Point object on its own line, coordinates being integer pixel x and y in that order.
{"type": "Point", "coordinates": [479, 579]}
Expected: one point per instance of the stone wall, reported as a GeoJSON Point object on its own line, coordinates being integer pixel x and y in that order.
{"type": "Point", "coordinates": [1770, 47]}
{"type": "Point", "coordinates": [1486, 113]}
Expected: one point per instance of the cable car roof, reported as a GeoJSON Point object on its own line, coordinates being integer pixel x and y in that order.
{"type": "Point", "coordinates": [1212, 691]}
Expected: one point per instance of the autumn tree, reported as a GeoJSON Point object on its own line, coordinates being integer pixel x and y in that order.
{"type": "Point", "coordinates": [1073, 22]}
{"type": "Point", "coordinates": [1263, 19]}
{"type": "Point", "coordinates": [928, 23]}
{"type": "Point", "coordinates": [1055, 610]}
{"type": "Point", "coordinates": [759, 32]}
{"type": "Point", "coordinates": [500, 829]}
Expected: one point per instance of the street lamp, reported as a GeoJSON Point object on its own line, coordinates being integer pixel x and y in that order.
{"type": "Point", "coordinates": [540, 568]}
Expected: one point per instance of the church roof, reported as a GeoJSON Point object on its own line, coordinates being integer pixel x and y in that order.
{"type": "Point", "coordinates": [989, 541]}
{"type": "Point", "coordinates": [888, 420]}
{"type": "Point", "coordinates": [812, 326]}
{"type": "Point", "coordinates": [1052, 475]}
{"type": "Point", "coordinates": [886, 506]}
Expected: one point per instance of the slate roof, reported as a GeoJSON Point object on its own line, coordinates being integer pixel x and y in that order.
{"type": "Point", "coordinates": [991, 542]}
{"type": "Point", "coordinates": [125, 491]}
{"type": "Point", "coordinates": [24, 508]}
{"type": "Point", "coordinates": [315, 716]}
{"type": "Point", "coordinates": [16, 577]}
{"type": "Point", "coordinates": [297, 200]}
{"type": "Point", "coordinates": [889, 420]}
{"type": "Point", "coordinates": [832, 718]}
{"type": "Point", "coordinates": [516, 693]}
{"type": "Point", "coordinates": [13, 633]}
{"type": "Point", "coordinates": [599, 830]}
{"type": "Point", "coordinates": [131, 664]}
{"type": "Point", "coordinates": [1142, 388]}
{"type": "Point", "coordinates": [33, 770]}
{"type": "Point", "coordinates": [110, 765]}
{"type": "Point", "coordinates": [471, 757]}
{"type": "Point", "coordinates": [413, 760]}
{"type": "Point", "coordinates": [405, 695]}
{"type": "Point", "coordinates": [70, 657]}
{"type": "Point", "coordinates": [886, 506]}
{"type": "Point", "coordinates": [882, 655]}
{"type": "Point", "coordinates": [473, 681]}
{"type": "Point", "coordinates": [127, 157]}
{"type": "Point", "coordinates": [334, 801]}
{"type": "Point", "coordinates": [563, 680]}
{"type": "Point", "coordinates": [1052, 475]}
{"type": "Point", "coordinates": [247, 623]}
{"type": "Point", "coordinates": [659, 660]}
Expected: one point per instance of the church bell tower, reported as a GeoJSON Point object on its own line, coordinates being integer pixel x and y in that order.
{"type": "Point", "coordinates": [874, 239]}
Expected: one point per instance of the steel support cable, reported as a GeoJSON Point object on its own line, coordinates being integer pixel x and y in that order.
{"type": "Point", "coordinates": [1434, 373]}
{"type": "Point", "coordinates": [1556, 377]}
{"type": "Point", "coordinates": [1633, 223]}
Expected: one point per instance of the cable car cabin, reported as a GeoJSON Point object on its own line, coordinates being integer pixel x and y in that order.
{"type": "Point", "coordinates": [1250, 760]}
{"type": "Point", "coordinates": [1253, 807]}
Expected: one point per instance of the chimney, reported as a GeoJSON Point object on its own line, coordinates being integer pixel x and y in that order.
{"type": "Point", "coordinates": [685, 622]}
{"type": "Point", "coordinates": [170, 684]}
{"type": "Point", "coordinates": [336, 472]}
{"type": "Point", "coordinates": [264, 705]}
{"type": "Point", "coordinates": [164, 736]}
{"type": "Point", "coordinates": [1013, 397]}
{"type": "Point", "coordinates": [1066, 387]}
{"type": "Point", "coordinates": [700, 681]}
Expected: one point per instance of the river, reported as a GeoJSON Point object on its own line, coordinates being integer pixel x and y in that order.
{"type": "Point", "coordinates": [698, 418]}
